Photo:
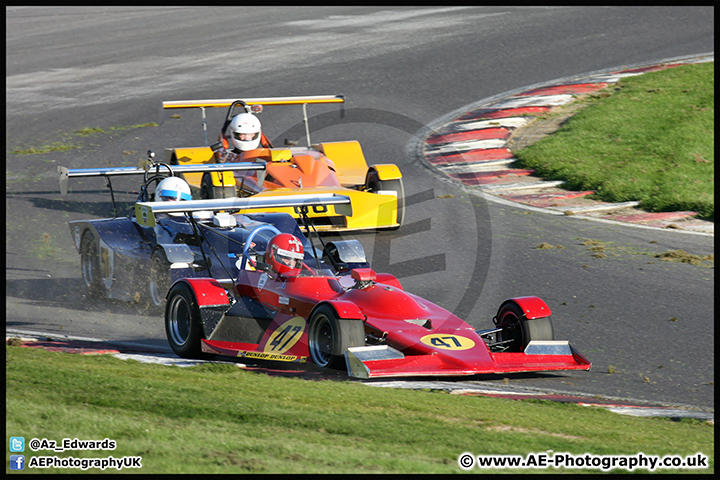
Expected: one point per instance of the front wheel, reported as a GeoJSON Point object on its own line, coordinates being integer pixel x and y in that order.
{"type": "Point", "coordinates": [182, 322]}
{"type": "Point", "coordinates": [329, 337]}
{"type": "Point", "coordinates": [517, 328]}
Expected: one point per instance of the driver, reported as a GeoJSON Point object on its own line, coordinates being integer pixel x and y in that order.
{"type": "Point", "coordinates": [285, 253]}
{"type": "Point", "coordinates": [245, 131]}
{"type": "Point", "coordinates": [172, 189]}
{"type": "Point", "coordinates": [175, 189]}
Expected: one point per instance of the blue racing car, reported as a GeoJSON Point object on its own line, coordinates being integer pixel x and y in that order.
{"type": "Point", "coordinates": [138, 256]}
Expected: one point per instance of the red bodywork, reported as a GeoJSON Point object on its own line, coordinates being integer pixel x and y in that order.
{"type": "Point", "coordinates": [430, 340]}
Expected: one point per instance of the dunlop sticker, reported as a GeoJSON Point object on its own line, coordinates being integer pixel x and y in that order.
{"type": "Point", "coordinates": [272, 356]}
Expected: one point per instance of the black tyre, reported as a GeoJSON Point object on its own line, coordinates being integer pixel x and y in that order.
{"type": "Point", "coordinates": [159, 279]}
{"type": "Point", "coordinates": [329, 337]}
{"type": "Point", "coordinates": [90, 265]}
{"type": "Point", "coordinates": [182, 322]}
{"type": "Point", "coordinates": [516, 327]}
{"type": "Point", "coordinates": [374, 184]}
{"type": "Point", "coordinates": [210, 191]}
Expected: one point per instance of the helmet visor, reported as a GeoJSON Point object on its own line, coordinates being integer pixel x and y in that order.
{"type": "Point", "coordinates": [173, 195]}
{"type": "Point", "coordinates": [291, 259]}
{"type": "Point", "coordinates": [246, 137]}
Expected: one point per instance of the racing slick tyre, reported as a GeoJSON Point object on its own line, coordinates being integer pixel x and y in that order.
{"type": "Point", "coordinates": [516, 327]}
{"type": "Point", "coordinates": [329, 337]}
{"type": "Point", "coordinates": [90, 265]}
{"type": "Point", "coordinates": [210, 191]}
{"type": "Point", "coordinates": [159, 279]}
{"type": "Point", "coordinates": [374, 184]}
{"type": "Point", "coordinates": [182, 322]}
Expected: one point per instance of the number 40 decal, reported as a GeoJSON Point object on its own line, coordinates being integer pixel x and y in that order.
{"type": "Point", "coordinates": [315, 209]}
{"type": "Point", "coordinates": [447, 341]}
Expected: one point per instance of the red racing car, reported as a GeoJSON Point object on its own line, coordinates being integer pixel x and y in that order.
{"type": "Point", "coordinates": [282, 309]}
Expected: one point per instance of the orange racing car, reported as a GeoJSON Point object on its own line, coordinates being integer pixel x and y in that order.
{"type": "Point", "coordinates": [376, 191]}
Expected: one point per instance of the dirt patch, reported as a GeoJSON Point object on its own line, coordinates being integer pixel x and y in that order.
{"type": "Point", "coordinates": [543, 125]}
{"type": "Point", "coordinates": [683, 257]}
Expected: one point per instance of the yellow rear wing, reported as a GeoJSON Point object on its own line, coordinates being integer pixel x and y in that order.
{"type": "Point", "coordinates": [251, 102]}
{"type": "Point", "coordinates": [225, 103]}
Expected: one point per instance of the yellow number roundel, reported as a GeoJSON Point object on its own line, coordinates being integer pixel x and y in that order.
{"type": "Point", "coordinates": [447, 341]}
{"type": "Point", "coordinates": [286, 336]}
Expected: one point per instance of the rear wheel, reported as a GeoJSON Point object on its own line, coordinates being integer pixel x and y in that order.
{"type": "Point", "coordinates": [329, 337]}
{"type": "Point", "coordinates": [182, 322]}
{"type": "Point", "coordinates": [374, 184]}
{"type": "Point", "coordinates": [90, 265]}
{"type": "Point", "coordinates": [519, 329]}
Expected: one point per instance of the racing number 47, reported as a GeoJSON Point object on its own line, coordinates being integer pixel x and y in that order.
{"type": "Point", "coordinates": [440, 342]}
{"type": "Point", "coordinates": [285, 337]}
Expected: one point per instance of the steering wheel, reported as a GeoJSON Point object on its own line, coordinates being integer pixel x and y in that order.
{"type": "Point", "coordinates": [156, 177]}
{"type": "Point", "coordinates": [245, 255]}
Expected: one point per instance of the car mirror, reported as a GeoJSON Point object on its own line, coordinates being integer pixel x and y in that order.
{"type": "Point", "coordinates": [265, 267]}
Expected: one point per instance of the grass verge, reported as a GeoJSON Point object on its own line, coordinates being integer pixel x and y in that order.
{"type": "Point", "coordinates": [218, 418]}
{"type": "Point", "coordinates": [650, 138]}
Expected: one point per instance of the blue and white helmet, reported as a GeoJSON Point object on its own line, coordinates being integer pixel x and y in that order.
{"type": "Point", "coordinates": [172, 189]}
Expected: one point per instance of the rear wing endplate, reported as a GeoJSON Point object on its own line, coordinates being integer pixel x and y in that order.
{"type": "Point", "coordinates": [145, 211]}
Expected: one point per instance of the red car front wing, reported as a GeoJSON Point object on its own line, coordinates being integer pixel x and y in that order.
{"type": "Point", "coordinates": [384, 361]}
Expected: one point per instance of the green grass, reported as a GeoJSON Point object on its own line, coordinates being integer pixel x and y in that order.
{"type": "Point", "coordinates": [218, 418]}
{"type": "Point", "coordinates": [650, 138]}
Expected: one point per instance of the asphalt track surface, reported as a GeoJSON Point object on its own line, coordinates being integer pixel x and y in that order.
{"type": "Point", "coordinates": [401, 69]}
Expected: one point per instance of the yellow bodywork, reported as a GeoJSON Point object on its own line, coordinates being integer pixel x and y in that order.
{"type": "Point", "coordinates": [387, 171]}
{"type": "Point", "coordinates": [369, 210]}
{"type": "Point", "coordinates": [349, 160]}
{"type": "Point", "coordinates": [196, 155]}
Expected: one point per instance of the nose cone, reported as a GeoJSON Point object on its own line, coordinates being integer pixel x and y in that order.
{"type": "Point", "coordinates": [383, 301]}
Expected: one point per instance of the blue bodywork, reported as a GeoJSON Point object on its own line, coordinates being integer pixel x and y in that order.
{"type": "Point", "coordinates": [118, 255]}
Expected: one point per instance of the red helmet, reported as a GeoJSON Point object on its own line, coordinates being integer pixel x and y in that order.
{"type": "Point", "coordinates": [285, 253]}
